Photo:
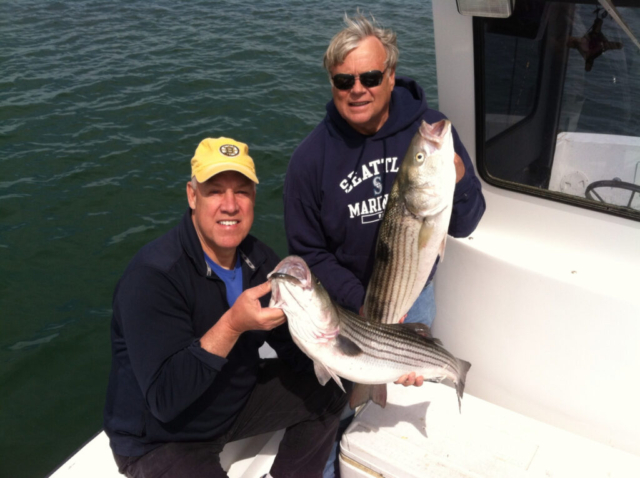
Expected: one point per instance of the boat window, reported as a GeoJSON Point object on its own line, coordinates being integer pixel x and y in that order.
{"type": "Point", "coordinates": [558, 92]}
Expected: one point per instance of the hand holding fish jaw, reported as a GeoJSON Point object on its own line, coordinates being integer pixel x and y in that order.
{"type": "Point", "coordinates": [246, 314]}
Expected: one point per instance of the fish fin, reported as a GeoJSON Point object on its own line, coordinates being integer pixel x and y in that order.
{"type": "Point", "coordinates": [426, 230]}
{"type": "Point", "coordinates": [379, 394]}
{"type": "Point", "coordinates": [462, 378]}
{"type": "Point", "coordinates": [339, 382]}
{"type": "Point", "coordinates": [442, 246]}
{"type": "Point", "coordinates": [322, 373]}
{"type": "Point", "coordinates": [361, 394]}
{"type": "Point", "coordinates": [419, 328]}
{"type": "Point", "coordinates": [325, 374]}
{"type": "Point", "coordinates": [347, 346]}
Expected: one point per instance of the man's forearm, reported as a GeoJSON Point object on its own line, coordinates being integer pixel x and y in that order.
{"type": "Point", "coordinates": [220, 339]}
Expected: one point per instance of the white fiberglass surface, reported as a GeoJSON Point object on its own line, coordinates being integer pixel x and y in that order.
{"type": "Point", "coordinates": [543, 299]}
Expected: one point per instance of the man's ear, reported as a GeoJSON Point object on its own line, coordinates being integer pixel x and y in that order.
{"type": "Point", "coordinates": [392, 78]}
{"type": "Point", "coordinates": [191, 195]}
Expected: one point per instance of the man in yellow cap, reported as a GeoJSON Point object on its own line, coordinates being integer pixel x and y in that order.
{"type": "Point", "coordinates": [189, 315]}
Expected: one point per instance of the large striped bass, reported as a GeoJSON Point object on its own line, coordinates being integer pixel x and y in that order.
{"type": "Point", "coordinates": [343, 344]}
{"type": "Point", "coordinates": [414, 228]}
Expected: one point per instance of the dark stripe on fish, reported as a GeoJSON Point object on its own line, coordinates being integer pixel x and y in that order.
{"type": "Point", "coordinates": [383, 251]}
{"type": "Point", "coordinates": [396, 343]}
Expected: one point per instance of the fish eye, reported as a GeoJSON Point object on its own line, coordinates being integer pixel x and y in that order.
{"type": "Point", "coordinates": [420, 157]}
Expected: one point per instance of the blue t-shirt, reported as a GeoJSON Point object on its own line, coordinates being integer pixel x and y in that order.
{"type": "Point", "coordinates": [232, 278]}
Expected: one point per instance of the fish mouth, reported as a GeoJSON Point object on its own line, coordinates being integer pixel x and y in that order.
{"type": "Point", "coordinates": [285, 276]}
{"type": "Point", "coordinates": [292, 269]}
{"type": "Point", "coordinates": [433, 135]}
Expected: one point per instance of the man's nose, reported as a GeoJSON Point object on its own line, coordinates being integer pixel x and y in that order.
{"type": "Point", "coordinates": [357, 87]}
{"type": "Point", "coordinates": [229, 203]}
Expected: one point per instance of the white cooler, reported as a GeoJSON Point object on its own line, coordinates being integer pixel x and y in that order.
{"type": "Point", "coordinates": [421, 433]}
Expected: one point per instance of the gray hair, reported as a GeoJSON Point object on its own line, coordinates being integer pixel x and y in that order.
{"type": "Point", "coordinates": [358, 28]}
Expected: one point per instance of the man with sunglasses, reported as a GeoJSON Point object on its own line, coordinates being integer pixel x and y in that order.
{"type": "Point", "coordinates": [339, 177]}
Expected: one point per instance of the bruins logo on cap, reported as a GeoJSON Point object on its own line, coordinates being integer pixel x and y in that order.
{"type": "Point", "coordinates": [229, 150]}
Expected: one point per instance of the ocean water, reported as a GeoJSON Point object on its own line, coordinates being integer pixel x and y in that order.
{"type": "Point", "coordinates": [102, 104]}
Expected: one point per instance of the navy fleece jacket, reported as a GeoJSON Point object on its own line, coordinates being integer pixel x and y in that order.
{"type": "Point", "coordinates": [163, 386]}
{"type": "Point", "coordinates": [336, 188]}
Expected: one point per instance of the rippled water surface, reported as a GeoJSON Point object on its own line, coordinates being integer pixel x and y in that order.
{"type": "Point", "coordinates": [102, 104]}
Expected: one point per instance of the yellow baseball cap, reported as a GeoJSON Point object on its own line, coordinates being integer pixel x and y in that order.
{"type": "Point", "coordinates": [215, 155]}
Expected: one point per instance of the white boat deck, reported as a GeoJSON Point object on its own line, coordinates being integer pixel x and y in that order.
{"type": "Point", "coordinates": [421, 433]}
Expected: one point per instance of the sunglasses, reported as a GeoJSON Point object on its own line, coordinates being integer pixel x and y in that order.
{"type": "Point", "coordinates": [343, 81]}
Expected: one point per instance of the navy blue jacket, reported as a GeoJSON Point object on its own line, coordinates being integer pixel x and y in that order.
{"type": "Point", "coordinates": [163, 386]}
{"type": "Point", "coordinates": [336, 188]}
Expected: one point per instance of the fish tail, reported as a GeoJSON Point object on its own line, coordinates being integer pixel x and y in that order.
{"type": "Point", "coordinates": [361, 394]}
{"type": "Point", "coordinates": [463, 367]}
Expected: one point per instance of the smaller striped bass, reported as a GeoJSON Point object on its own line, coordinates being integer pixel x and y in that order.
{"type": "Point", "coordinates": [414, 229]}
{"type": "Point", "coordinates": [343, 344]}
